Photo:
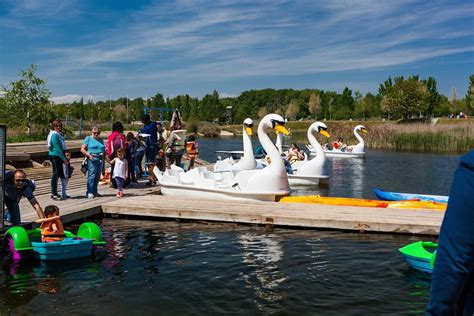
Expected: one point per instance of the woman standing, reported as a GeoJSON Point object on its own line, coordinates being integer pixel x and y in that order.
{"type": "Point", "coordinates": [94, 149]}
{"type": "Point", "coordinates": [56, 150]}
{"type": "Point", "coordinates": [115, 141]}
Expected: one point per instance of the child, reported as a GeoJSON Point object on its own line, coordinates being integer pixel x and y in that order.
{"type": "Point", "coordinates": [120, 170]}
{"type": "Point", "coordinates": [192, 150]}
{"type": "Point", "coordinates": [67, 170]}
{"type": "Point", "coordinates": [51, 227]}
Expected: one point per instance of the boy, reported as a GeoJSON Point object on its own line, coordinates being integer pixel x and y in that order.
{"type": "Point", "coordinates": [51, 227]}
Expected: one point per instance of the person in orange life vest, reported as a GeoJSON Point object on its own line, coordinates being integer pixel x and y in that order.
{"type": "Point", "coordinates": [115, 141]}
{"type": "Point", "coordinates": [192, 150]}
{"type": "Point", "coordinates": [337, 144]}
{"type": "Point", "coordinates": [51, 227]}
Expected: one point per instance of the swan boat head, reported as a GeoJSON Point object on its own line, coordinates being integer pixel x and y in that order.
{"type": "Point", "coordinates": [248, 126]}
{"type": "Point", "coordinates": [315, 166]}
{"type": "Point", "coordinates": [272, 178]}
{"type": "Point", "coordinates": [359, 148]}
{"type": "Point", "coordinates": [247, 162]}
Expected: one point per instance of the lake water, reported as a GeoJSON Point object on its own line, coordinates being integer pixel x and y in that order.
{"type": "Point", "coordinates": [152, 267]}
{"type": "Point", "coordinates": [194, 269]}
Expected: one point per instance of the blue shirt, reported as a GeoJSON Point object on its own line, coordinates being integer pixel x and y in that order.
{"type": "Point", "coordinates": [94, 146]}
{"type": "Point", "coordinates": [151, 129]}
{"type": "Point", "coordinates": [452, 283]}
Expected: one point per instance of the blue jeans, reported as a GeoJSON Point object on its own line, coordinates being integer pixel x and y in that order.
{"type": "Point", "coordinates": [94, 168]}
{"type": "Point", "coordinates": [138, 160]}
{"type": "Point", "coordinates": [13, 214]}
{"type": "Point", "coordinates": [57, 165]}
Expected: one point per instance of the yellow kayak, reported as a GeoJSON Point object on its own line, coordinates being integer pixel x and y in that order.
{"type": "Point", "coordinates": [418, 204]}
{"type": "Point", "coordinates": [317, 199]}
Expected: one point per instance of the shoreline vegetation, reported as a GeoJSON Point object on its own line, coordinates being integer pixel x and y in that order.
{"type": "Point", "coordinates": [455, 135]}
{"type": "Point", "coordinates": [390, 115]}
{"type": "Point", "coordinates": [446, 136]}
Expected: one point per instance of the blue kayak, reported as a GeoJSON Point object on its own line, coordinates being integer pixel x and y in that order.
{"type": "Point", "coordinates": [395, 196]}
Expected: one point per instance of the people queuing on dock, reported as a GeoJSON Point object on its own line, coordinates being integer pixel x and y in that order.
{"type": "Point", "coordinates": [132, 146]}
{"type": "Point", "coordinates": [160, 143]}
{"type": "Point", "coordinates": [94, 149]}
{"type": "Point", "coordinates": [149, 129]}
{"type": "Point", "coordinates": [51, 226]}
{"type": "Point", "coordinates": [175, 144]}
{"type": "Point", "coordinates": [115, 141]}
{"type": "Point", "coordinates": [16, 187]}
{"type": "Point", "coordinates": [120, 170]}
{"type": "Point", "coordinates": [56, 149]}
{"type": "Point", "coordinates": [192, 150]}
{"type": "Point", "coordinates": [67, 170]}
{"type": "Point", "coordinates": [452, 282]}
{"type": "Point", "coordinates": [140, 153]}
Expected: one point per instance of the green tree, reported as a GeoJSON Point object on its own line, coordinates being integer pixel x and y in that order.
{"type": "Point", "coordinates": [368, 106]}
{"type": "Point", "coordinates": [292, 110]}
{"type": "Point", "coordinates": [406, 99]}
{"type": "Point", "coordinates": [434, 97]}
{"type": "Point", "coordinates": [314, 105]}
{"type": "Point", "coordinates": [27, 101]}
{"type": "Point", "coordinates": [470, 95]}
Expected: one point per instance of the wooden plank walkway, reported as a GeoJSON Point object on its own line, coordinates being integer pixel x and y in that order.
{"type": "Point", "coordinates": [407, 221]}
{"type": "Point", "coordinates": [78, 207]}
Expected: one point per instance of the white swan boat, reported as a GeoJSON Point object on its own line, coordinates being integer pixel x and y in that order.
{"type": "Point", "coordinates": [353, 151]}
{"type": "Point", "coordinates": [265, 184]}
{"type": "Point", "coordinates": [247, 162]}
{"type": "Point", "coordinates": [311, 172]}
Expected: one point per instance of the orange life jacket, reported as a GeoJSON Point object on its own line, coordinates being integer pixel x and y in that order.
{"type": "Point", "coordinates": [47, 232]}
{"type": "Point", "coordinates": [192, 149]}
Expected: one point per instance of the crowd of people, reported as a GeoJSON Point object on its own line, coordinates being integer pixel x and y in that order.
{"type": "Point", "coordinates": [129, 157]}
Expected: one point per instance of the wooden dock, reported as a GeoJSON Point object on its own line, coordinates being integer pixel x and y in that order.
{"type": "Point", "coordinates": [142, 201]}
{"type": "Point", "coordinates": [363, 219]}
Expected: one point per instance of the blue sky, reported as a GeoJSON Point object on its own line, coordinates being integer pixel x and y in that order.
{"type": "Point", "coordinates": [98, 49]}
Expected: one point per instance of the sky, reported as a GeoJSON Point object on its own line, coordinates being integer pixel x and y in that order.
{"type": "Point", "coordinates": [117, 48]}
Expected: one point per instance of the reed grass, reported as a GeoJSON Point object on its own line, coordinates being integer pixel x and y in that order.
{"type": "Point", "coordinates": [446, 136]}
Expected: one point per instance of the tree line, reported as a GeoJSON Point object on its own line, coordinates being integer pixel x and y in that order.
{"type": "Point", "coordinates": [26, 104]}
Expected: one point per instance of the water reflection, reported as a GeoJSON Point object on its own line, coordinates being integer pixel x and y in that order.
{"type": "Point", "coordinates": [348, 173]}
{"type": "Point", "coordinates": [263, 253]}
{"type": "Point", "coordinates": [24, 280]}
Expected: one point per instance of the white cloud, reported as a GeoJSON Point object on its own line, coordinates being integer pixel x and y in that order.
{"type": "Point", "coordinates": [182, 42]}
{"type": "Point", "coordinates": [70, 98]}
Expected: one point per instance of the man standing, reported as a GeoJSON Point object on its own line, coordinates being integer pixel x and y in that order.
{"type": "Point", "coordinates": [17, 186]}
{"type": "Point", "coordinates": [452, 283]}
{"type": "Point", "coordinates": [149, 129]}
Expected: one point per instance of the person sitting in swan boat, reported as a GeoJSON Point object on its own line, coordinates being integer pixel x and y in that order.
{"type": "Point", "coordinates": [294, 154]}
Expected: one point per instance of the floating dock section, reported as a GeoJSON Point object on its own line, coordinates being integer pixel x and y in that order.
{"type": "Point", "coordinates": [353, 218]}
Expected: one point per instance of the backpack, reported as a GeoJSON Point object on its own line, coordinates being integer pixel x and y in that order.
{"type": "Point", "coordinates": [117, 143]}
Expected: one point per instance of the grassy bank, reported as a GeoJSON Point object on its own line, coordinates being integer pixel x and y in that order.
{"type": "Point", "coordinates": [445, 136]}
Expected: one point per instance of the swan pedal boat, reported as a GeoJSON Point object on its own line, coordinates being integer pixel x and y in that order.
{"type": "Point", "coordinates": [310, 172]}
{"type": "Point", "coordinates": [355, 151]}
{"type": "Point", "coordinates": [396, 196]}
{"type": "Point", "coordinates": [420, 255]}
{"type": "Point", "coordinates": [342, 201]}
{"type": "Point", "coordinates": [266, 184]}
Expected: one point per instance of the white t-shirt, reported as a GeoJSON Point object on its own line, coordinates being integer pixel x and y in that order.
{"type": "Point", "coordinates": [119, 168]}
